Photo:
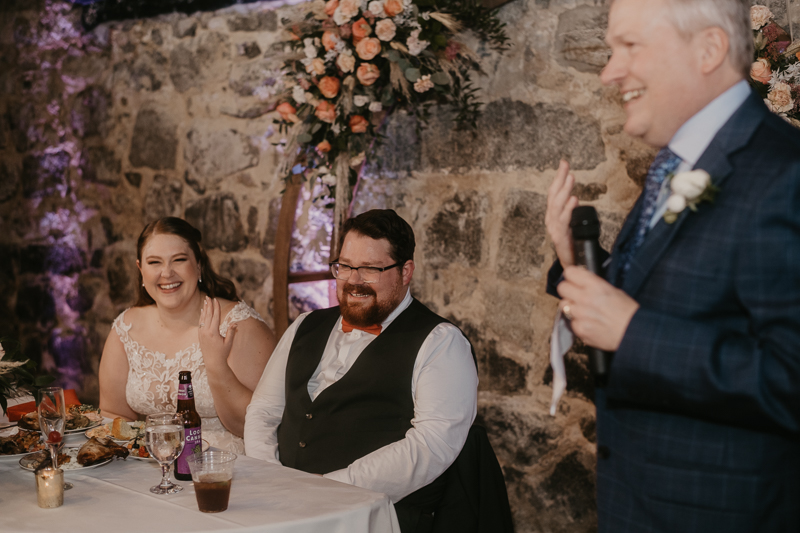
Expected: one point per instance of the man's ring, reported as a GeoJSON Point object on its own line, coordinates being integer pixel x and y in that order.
{"type": "Point", "coordinates": [200, 325]}
{"type": "Point", "coordinates": [567, 312]}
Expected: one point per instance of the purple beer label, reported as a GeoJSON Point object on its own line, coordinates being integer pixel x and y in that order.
{"type": "Point", "coordinates": [194, 441]}
{"type": "Point", "coordinates": [194, 444]}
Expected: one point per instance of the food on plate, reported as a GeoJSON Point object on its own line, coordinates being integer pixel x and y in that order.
{"type": "Point", "coordinates": [89, 411]}
{"type": "Point", "coordinates": [120, 429]}
{"type": "Point", "coordinates": [78, 417]}
{"type": "Point", "coordinates": [23, 441]}
{"type": "Point", "coordinates": [137, 448]}
{"type": "Point", "coordinates": [34, 461]}
{"type": "Point", "coordinates": [97, 450]}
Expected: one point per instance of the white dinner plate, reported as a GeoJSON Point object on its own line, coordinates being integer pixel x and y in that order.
{"type": "Point", "coordinates": [7, 432]}
{"type": "Point", "coordinates": [82, 430]}
{"type": "Point", "coordinates": [26, 462]}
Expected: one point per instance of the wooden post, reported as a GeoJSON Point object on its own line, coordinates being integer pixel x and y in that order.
{"type": "Point", "coordinates": [283, 249]}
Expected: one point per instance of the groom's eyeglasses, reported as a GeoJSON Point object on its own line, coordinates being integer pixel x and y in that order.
{"type": "Point", "coordinates": [368, 274]}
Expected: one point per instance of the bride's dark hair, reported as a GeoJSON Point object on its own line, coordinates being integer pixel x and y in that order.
{"type": "Point", "coordinates": [212, 283]}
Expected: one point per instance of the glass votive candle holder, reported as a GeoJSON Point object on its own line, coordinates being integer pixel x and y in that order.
{"type": "Point", "coordinates": [50, 487]}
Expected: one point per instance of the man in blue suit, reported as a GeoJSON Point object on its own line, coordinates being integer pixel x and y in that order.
{"type": "Point", "coordinates": [698, 427]}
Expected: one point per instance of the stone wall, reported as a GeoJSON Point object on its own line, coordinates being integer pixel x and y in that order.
{"type": "Point", "coordinates": [104, 131]}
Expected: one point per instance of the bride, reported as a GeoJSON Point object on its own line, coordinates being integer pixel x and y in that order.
{"type": "Point", "coordinates": [186, 318]}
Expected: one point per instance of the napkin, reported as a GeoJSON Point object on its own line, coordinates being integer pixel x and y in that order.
{"type": "Point", "coordinates": [15, 412]}
{"type": "Point", "coordinates": [560, 342]}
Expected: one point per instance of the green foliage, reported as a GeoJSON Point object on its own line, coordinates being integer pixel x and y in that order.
{"type": "Point", "coordinates": [20, 378]}
{"type": "Point", "coordinates": [482, 21]}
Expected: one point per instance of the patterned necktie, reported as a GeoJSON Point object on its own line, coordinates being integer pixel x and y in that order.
{"type": "Point", "coordinates": [348, 327]}
{"type": "Point", "coordinates": [664, 164]}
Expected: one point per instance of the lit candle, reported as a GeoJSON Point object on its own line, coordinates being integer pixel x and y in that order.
{"type": "Point", "coordinates": [50, 487]}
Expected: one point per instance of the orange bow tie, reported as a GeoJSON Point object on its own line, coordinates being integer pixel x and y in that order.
{"type": "Point", "coordinates": [348, 327]}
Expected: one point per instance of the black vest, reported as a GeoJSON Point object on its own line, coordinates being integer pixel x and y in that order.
{"type": "Point", "coordinates": [369, 407]}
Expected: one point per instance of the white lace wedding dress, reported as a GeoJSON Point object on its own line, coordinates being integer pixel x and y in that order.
{"type": "Point", "coordinates": [153, 379]}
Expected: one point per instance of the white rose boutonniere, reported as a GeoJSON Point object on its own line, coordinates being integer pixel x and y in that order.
{"type": "Point", "coordinates": [688, 189]}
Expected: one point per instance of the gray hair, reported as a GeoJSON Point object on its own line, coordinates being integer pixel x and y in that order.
{"type": "Point", "coordinates": [732, 16]}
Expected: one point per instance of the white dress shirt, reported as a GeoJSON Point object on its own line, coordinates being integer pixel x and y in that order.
{"type": "Point", "coordinates": [694, 136]}
{"type": "Point", "coordinates": [444, 386]}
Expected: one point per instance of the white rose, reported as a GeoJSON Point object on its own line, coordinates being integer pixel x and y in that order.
{"type": "Point", "coordinates": [360, 101]}
{"type": "Point", "coordinates": [328, 179]}
{"type": "Point", "coordinates": [781, 97]}
{"type": "Point", "coordinates": [346, 62]}
{"type": "Point", "coordinates": [690, 184]}
{"type": "Point", "coordinates": [299, 94]}
{"type": "Point", "coordinates": [385, 30]}
{"type": "Point", "coordinates": [309, 49]}
{"type": "Point", "coordinates": [676, 203]}
{"type": "Point", "coordinates": [375, 107]}
{"type": "Point", "coordinates": [759, 16]}
{"type": "Point", "coordinates": [376, 8]}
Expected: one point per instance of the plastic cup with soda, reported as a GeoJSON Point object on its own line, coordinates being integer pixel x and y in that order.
{"type": "Point", "coordinates": [212, 473]}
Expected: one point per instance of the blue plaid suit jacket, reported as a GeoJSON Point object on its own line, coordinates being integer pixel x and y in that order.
{"type": "Point", "coordinates": [698, 428]}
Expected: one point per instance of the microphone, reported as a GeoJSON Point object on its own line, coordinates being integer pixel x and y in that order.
{"type": "Point", "coordinates": [585, 234]}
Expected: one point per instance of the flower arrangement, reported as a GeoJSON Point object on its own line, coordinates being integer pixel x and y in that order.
{"type": "Point", "coordinates": [775, 73]}
{"type": "Point", "coordinates": [17, 376]}
{"type": "Point", "coordinates": [357, 61]}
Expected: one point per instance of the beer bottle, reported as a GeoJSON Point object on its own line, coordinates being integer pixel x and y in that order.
{"type": "Point", "coordinates": [191, 425]}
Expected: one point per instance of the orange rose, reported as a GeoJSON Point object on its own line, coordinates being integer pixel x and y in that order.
{"type": "Point", "coordinates": [393, 8]}
{"type": "Point", "coordinates": [358, 124]}
{"type": "Point", "coordinates": [324, 147]}
{"type": "Point", "coordinates": [287, 112]}
{"type": "Point", "coordinates": [361, 29]}
{"type": "Point", "coordinates": [329, 40]}
{"type": "Point", "coordinates": [329, 86]}
{"type": "Point", "coordinates": [367, 74]}
{"type": "Point", "coordinates": [326, 112]}
{"type": "Point", "coordinates": [330, 7]}
{"type": "Point", "coordinates": [760, 71]}
{"type": "Point", "coordinates": [368, 48]}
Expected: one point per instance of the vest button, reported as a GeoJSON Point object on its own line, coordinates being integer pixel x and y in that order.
{"type": "Point", "coordinates": [302, 444]}
{"type": "Point", "coordinates": [309, 416]}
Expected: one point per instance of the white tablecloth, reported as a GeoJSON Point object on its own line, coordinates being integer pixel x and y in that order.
{"type": "Point", "coordinates": [264, 497]}
{"type": "Point", "coordinates": [115, 498]}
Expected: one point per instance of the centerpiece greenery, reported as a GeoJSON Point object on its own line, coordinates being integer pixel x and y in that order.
{"type": "Point", "coordinates": [17, 375]}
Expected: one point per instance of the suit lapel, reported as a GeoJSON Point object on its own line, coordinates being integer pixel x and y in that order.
{"type": "Point", "coordinates": [733, 136]}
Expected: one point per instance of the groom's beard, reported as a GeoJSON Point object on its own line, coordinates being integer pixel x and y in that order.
{"type": "Point", "coordinates": [364, 313]}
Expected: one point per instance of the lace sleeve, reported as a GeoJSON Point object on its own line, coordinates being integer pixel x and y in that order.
{"type": "Point", "coordinates": [240, 311]}
{"type": "Point", "coordinates": [121, 327]}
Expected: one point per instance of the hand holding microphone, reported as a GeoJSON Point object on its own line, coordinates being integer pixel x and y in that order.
{"type": "Point", "coordinates": [585, 228]}
{"type": "Point", "coordinates": [601, 312]}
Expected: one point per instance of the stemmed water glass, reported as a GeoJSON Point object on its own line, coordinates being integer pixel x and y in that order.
{"type": "Point", "coordinates": [164, 439]}
{"type": "Point", "coordinates": [52, 419]}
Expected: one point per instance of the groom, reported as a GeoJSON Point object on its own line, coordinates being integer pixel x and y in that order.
{"type": "Point", "coordinates": [698, 428]}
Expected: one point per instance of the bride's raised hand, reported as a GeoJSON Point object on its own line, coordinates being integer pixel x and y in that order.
{"type": "Point", "coordinates": [214, 346]}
